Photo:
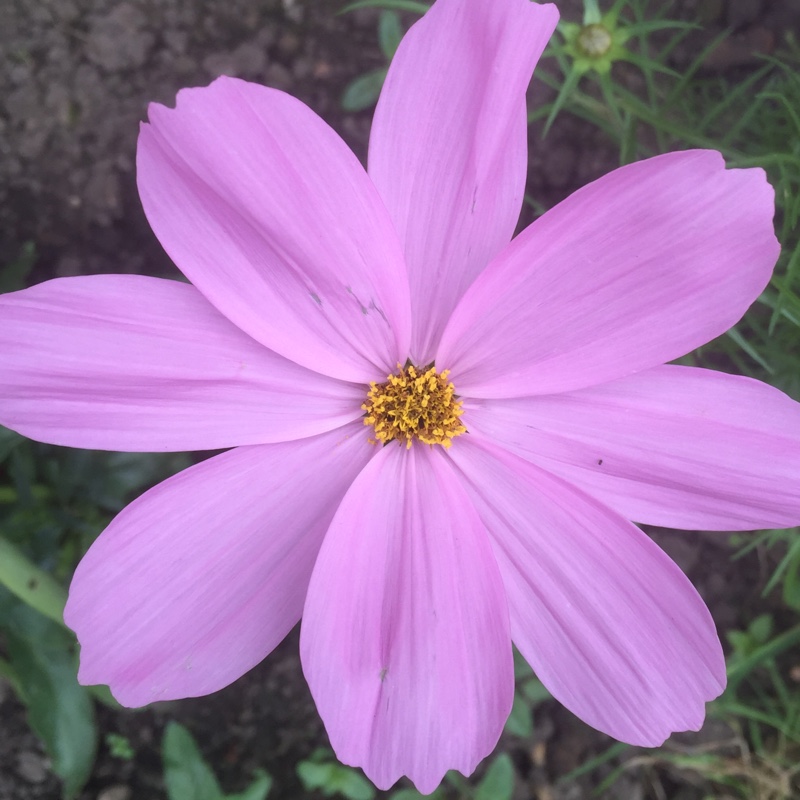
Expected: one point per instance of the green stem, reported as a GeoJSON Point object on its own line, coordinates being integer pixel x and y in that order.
{"type": "Point", "coordinates": [771, 649]}
{"type": "Point", "coordinates": [32, 585]}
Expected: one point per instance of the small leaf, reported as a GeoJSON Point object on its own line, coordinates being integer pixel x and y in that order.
{"type": "Point", "coordinates": [60, 710]}
{"type": "Point", "coordinates": [333, 778]}
{"type": "Point", "coordinates": [363, 92]}
{"type": "Point", "coordinates": [498, 782]}
{"type": "Point", "coordinates": [390, 32]}
{"type": "Point", "coordinates": [761, 628]}
{"type": "Point", "coordinates": [257, 790]}
{"type": "Point", "coordinates": [120, 746]}
{"type": "Point", "coordinates": [186, 774]}
{"type": "Point", "coordinates": [740, 641]}
{"type": "Point", "coordinates": [520, 722]}
{"type": "Point", "coordinates": [536, 692]}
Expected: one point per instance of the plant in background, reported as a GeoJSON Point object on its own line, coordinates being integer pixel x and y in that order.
{"type": "Point", "coordinates": [363, 91]}
{"type": "Point", "coordinates": [402, 558]}
{"type": "Point", "coordinates": [187, 776]}
{"type": "Point", "coordinates": [592, 47]}
{"type": "Point", "coordinates": [598, 42]}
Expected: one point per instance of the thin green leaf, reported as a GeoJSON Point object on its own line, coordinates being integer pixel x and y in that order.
{"type": "Point", "coordinates": [773, 648]}
{"type": "Point", "coordinates": [393, 5]}
{"type": "Point", "coordinates": [737, 337]}
{"type": "Point", "coordinates": [567, 88]}
{"type": "Point", "coordinates": [591, 764]}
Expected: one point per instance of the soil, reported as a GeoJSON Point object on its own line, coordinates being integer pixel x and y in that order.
{"type": "Point", "coordinates": [75, 80]}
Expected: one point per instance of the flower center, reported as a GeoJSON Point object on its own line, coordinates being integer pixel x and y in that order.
{"type": "Point", "coordinates": [594, 40]}
{"type": "Point", "coordinates": [414, 404]}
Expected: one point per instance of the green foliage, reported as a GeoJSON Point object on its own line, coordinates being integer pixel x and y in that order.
{"type": "Point", "coordinates": [752, 122]}
{"type": "Point", "coordinates": [594, 46]}
{"type": "Point", "coordinates": [119, 746]}
{"type": "Point", "coordinates": [520, 720]}
{"type": "Point", "coordinates": [41, 666]}
{"type": "Point", "coordinates": [633, 94]}
{"type": "Point", "coordinates": [746, 642]}
{"type": "Point", "coordinates": [53, 503]}
{"type": "Point", "coordinates": [188, 777]}
{"type": "Point", "coordinates": [390, 32]}
{"type": "Point", "coordinates": [333, 779]}
{"type": "Point", "coordinates": [186, 774]}
{"type": "Point", "coordinates": [529, 693]}
{"type": "Point", "coordinates": [389, 5]}
{"type": "Point", "coordinates": [14, 275]}
{"type": "Point", "coordinates": [413, 794]}
{"type": "Point", "coordinates": [54, 500]}
{"type": "Point", "coordinates": [790, 566]}
{"type": "Point", "coordinates": [498, 782]}
{"type": "Point", "coordinates": [30, 584]}
{"type": "Point", "coordinates": [363, 92]}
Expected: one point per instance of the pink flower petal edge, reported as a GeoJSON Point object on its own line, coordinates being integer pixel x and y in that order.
{"type": "Point", "coordinates": [270, 215]}
{"type": "Point", "coordinates": [405, 641]}
{"type": "Point", "coordinates": [608, 622]}
{"type": "Point", "coordinates": [198, 579]}
{"type": "Point", "coordinates": [675, 446]}
{"type": "Point", "coordinates": [124, 362]}
{"type": "Point", "coordinates": [448, 149]}
{"type": "Point", "coordinates": [631, 271]}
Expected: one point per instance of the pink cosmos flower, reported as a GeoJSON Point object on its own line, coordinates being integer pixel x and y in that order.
{"type": "Point", "coordinates": [413, 565]}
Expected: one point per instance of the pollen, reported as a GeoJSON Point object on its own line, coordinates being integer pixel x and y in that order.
{"type": "Point", "coordinates": [414, 404]}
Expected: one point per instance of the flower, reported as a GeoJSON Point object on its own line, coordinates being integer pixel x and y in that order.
{"type": "Point", "coordinates": [324, 296]}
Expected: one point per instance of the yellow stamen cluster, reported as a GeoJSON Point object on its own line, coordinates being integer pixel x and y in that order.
{"type": "Point", "coordinates": [414, 404]}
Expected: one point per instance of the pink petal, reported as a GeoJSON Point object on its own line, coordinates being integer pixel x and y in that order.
{"type": "Point", "coordinates": [674, 446]}
{"type": "Point", "coordinates": [448, 150]}
{"type": "Point", "coordinates": [631, 271]}
{"type": "Point", "coordinates": [122, 362]}
{"type": "Point", "coordinates": [405, 640]}
{"type": "Point", "coordinates": [265, 209]}
{"type": "Point", "coordinates": [200, 578]}
{"type": "Point", "coordinates": [609, 623]}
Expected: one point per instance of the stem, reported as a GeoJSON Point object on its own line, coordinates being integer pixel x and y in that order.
{"type": "Point", "coordinates": [32, 585]}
